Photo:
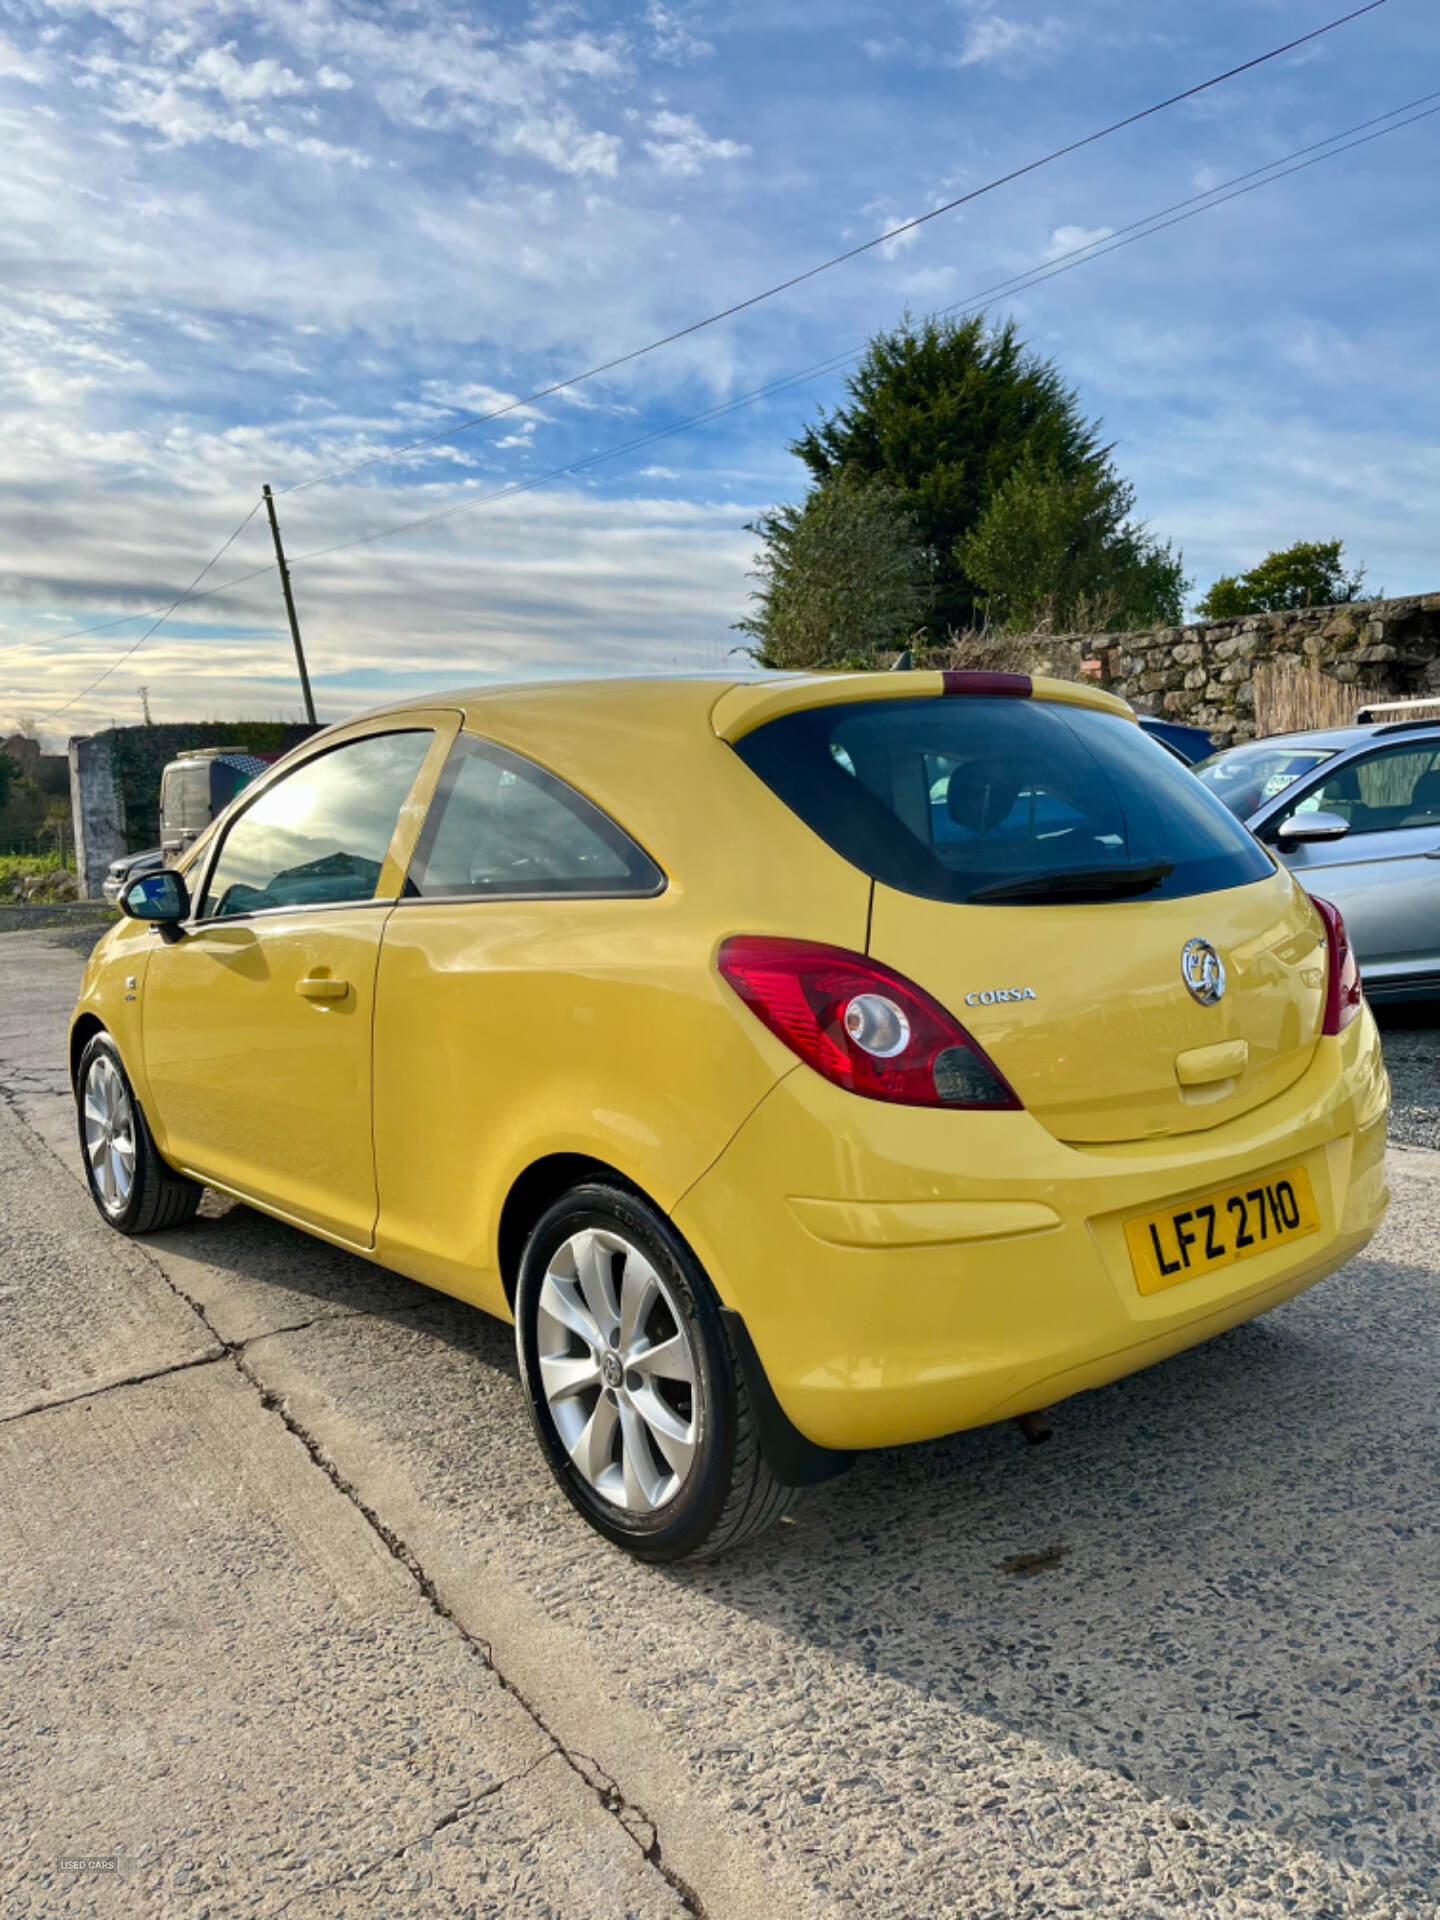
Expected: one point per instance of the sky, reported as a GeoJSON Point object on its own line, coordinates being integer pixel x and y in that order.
{"type": "Point", "coordinates": [261, 241]}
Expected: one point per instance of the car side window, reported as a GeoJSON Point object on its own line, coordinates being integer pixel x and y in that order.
{"type": "Point", "coordinates": [319, 836]}
{"type": "Point", "coordinates": [500, 825]}
{"type": "Point", "coordinates": [1398, 788]}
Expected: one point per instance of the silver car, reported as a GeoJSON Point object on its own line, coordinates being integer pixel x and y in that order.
{"type": "Point", "coordinates": [1354, 812]}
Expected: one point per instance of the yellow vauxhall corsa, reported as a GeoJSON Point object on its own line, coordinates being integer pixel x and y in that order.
{"type": "Point", "coordinates": [805, 1064]}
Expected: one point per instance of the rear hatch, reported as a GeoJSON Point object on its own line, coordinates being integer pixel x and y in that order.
{"type": "Point", "coordinates": [1130, 958]}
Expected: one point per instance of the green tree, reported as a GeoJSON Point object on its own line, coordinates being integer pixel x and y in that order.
{"type": "Point", "coordinates": [948, 412]}
{"type": "Point", "coordinates": [9, 774]}
{"type": "Point", "coordinates": [1064, 554]}
{"type": "Point", "coordinates": [1309, 574]}
{"type": "Point", "coordinates": [841, 576]}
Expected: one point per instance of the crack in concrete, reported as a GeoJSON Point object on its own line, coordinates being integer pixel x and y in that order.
{"type": "Point", "coordinates": [113, 1386]}
{"type": "Point", "coordinates": [223, 1350]}
{"type": "Point", "coordinates": [300, 1326]}
{"type": "Point", "coordinates": [324, 1319]}
{"type": "Point", "coordinates": [634, 1822]}
{"type": "Point", "coordinates": [353, 1876]}
{"type": "Point", "coordinates": [639, 1827]}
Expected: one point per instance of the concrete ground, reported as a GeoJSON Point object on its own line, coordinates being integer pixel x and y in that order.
{"type": "Point", "coordinates": [1412, 1053]}
{"type": "Point", "coordinates": [294, 1617]}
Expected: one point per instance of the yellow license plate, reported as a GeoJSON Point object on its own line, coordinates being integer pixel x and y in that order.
{"type": "Point", "coordinates": [1202, 1236]}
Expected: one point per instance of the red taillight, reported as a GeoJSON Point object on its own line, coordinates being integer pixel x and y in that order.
{"type": "Point", "coordinates": [1342, 986]}
{"type": "Point", "coordinates": [864, 1027]}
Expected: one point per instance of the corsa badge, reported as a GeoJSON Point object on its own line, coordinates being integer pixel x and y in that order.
{"type": "Point", "coordinates": [1203, 972]}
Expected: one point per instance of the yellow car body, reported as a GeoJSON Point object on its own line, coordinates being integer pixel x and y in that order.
{"type": "Point", "coordinates": [416, 1078]}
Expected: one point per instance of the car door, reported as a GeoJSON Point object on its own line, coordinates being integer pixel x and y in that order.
{"type": "Point", "coordinates": [256, 1020]}
{"type": "Point", "coordinates": [522, 957]}
{"type": "Point", "coordinates": [1384, 875]}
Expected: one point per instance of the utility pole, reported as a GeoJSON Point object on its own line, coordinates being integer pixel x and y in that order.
{"type": "Point", "coordinates": [290, 607]}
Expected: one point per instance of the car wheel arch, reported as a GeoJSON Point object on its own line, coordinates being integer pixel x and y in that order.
{"type": "Point", "coordinates": [81, 1034]}
{"type": "Point", "coordinates": [534, 1191]}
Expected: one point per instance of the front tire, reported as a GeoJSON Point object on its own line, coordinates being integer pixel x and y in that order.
{"type": "Point", "coordinates": [130, 1184]}
{"type": "Point", "coordinates": [632, 1385]}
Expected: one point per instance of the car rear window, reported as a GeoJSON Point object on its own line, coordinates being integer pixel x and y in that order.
{"type": "Point", "coordinates": [954, 798]}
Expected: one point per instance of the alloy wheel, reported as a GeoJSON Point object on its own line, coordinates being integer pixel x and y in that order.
{"type": "Point", "coordinates": [109, 1123]}
{"type": "Point", "coordinates": [619, 1370]}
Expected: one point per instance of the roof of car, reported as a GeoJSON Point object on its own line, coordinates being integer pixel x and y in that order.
{"type": "Point", "coordinates": [636, 688]}
{"type": "Point", "coordinates": [470, 696]}
{"type": "Point", "coordinates": [756, 695]}
{"type": "Point", "coordinates": [1342, 739]}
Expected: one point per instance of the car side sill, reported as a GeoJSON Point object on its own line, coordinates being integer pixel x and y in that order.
{"type": "Point", "coordinates": [365, 1248]}
{"type": "Point", "coordinates": [1381, 988]}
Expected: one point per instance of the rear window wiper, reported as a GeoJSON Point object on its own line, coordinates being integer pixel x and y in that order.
{"type": "Point", "coordinates": [1079, 883]}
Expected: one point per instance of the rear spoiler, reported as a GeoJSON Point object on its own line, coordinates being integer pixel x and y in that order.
{"type": "Point", "coordinates": [739, 710]}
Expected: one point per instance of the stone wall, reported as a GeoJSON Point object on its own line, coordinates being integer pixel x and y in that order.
{"type": "Point", "coordinates": [1204, 675]}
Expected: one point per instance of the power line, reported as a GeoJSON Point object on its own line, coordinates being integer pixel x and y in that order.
{"type": "Point", "coordinates": [1113, 243]}
{"type": "Point", "coordinates": [852, 253]}
{"type": "Point", "coordinates": [1180, 210]}
{"type": "Point", "coordinates": [1064, 263]}
{"type": "Point", "coordinates": [159, 621]}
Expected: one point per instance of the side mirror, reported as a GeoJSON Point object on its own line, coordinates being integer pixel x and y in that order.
{"type": "Point", "coordinates": [161, 897]}
{"type": "Point", "coordinates": [1303, 827]}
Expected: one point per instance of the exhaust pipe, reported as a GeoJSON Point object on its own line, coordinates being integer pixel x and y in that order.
{"type": "Point", "coordinates": [1036, 1427]}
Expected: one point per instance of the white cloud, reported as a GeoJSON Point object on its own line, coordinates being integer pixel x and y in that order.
{"type": "Point", "coordinates": [901, 242]}
{"type": "Point", "coordinates": [428, 71]}
{"type": "Point", "coordinates": [178, 117]}
{"type": "Point", "coordinates": [218, 70]}
{"type": "Point", "coordinates": [682, 147]}
{"type": "Point", "coordinates": [15, 65]}
{"type": "Point", "coordinates": [1068, 239]}
{"type": "Point", "coordinates": [56, 349]}
{"type": "Point", "coordinates": [567, 146]}
{"type": "Point", "coordinates": [673, 36]}
{"type": "Point", "coordinates": [473, 397]}
{"type": "Point", "coordinates": [992, 40]}
{"type": "Point", "coordinates": [309, 147]}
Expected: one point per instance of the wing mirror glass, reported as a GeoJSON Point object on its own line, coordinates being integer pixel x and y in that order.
{"type": "Point", "coordinates": [162, 897]}
{"type": "Point", "coordinates": [1302, 827]}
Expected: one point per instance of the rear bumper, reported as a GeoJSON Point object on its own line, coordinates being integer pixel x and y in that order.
{"type": "Point", "coordinates": [906, 1273]}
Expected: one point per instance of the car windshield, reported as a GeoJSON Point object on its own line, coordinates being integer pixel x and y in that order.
{"type": "Point", "coordinates": [996, 800]}
{"type": "Point", "coordinates": [1246, 778]}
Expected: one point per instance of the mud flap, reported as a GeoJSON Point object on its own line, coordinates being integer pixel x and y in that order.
{"type": "Point", "coordinates": [794, 1460]}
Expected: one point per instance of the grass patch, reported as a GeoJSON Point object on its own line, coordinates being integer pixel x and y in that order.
{"type": "Point", "coordinates": [15, 866]}
{"type": "Point", "coordinates": [35, 879]}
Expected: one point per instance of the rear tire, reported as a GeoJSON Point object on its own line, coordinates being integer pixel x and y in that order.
{"type": "Point", "coordinates": [133, 1189]}
{"type": "Point", "coordinates": [633, 1387]}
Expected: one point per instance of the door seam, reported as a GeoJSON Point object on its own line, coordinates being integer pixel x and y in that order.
{"type": "Point", "coordinates": [374, 1015]}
